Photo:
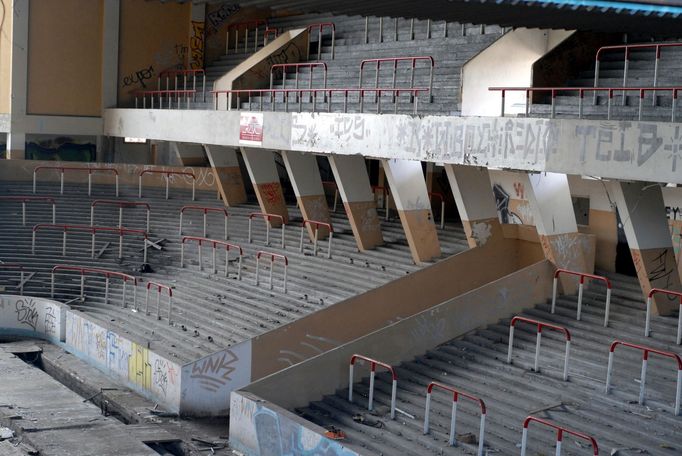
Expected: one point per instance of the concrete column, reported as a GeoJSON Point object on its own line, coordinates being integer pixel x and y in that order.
{"type": "Point", "coordinates": [16, 138]}
{"type": "Point", "coordinates": [352, 179]}
{"type": "Point", "coordinates": [265, 179]}
{"type": "Point", "coordinates": [475, 203]}
{"type": "Point", "coordinates": [188, 154]}
{"type": "Point", "coordinates": [305, 178]}
{"type": "Point", "coordinates": [642, 212]}
{"type": "Point", "coordinates": [550, 200]}
{"type": "Point", "coordinates": [408, 191]}
{"type": "Point", "coordinates": [16, 145]}
{"type": "Point", "coordinates": [110, 32]}
{"type": "Point", "coordinates": [228, 175]}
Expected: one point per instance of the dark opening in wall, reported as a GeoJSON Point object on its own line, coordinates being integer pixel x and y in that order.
{"type": "Point", "coordinates": [581, 208]}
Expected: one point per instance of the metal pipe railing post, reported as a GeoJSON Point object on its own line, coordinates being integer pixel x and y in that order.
{"type": "Point", "coordinates": [658, 57]}
{"type": "Point", "coordinates": [580, 299]}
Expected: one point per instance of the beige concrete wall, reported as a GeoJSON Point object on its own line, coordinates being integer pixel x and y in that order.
{"type": "Point", "coordinates": [65, 57]}
{"type": "Point", "coordinates": [5, 54]}
{"type": "Point", "coordinates": [154, 36]}
{"type": "Point", "coordinates": [410, 337]}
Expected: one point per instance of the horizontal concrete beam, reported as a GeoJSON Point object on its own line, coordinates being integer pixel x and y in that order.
{"type": "Point", "coordinates": [646, 151]}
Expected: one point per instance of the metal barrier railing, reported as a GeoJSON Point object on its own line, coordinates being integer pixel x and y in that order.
{"type": "Point", "coordinates": [325, 93]}
{"type": "Point", "coordinates": [272, 256]}
{"type": "Point", "coordinates": [372, 365]}
{"type": "Point", "coordinates": [554, 91]}
{"type": "Point", "coordinates": [167, 74]}
{"type": "Point", "coordinates": [120, 205]}
{"type": "Point", "coordinates": [453, 419]}
{"type": "Point", "coordinates": [539, 325]}
{"type": "Point", "coordinates": [102, 272]}
{"type": "Point", "coordinates": [317, 225]}
{"type": "Point", "coordinates": [267, 218]}
{"type": "Point", "coordinates": [167, 175]}
{"type": "Point", "coordinates": [159, 287]}
{"type": "Point", "coordinates": [26, 199]}
{"type": "Point", "coordinates": [645, 358]}
{"type": "Point", "coordinates": [412, 29]}
{"type": "Point", "coordinates": [16, 266]}
{"type": "Point", "coordinates": [582, 276]}
{"type": "Point", "coordinates": [332, 184]}
{"type": "Point", "coordinates": [320, 28]}
{"type": "Point", "coordinates": [205, 210]}
{"type": "Point", "coordinates": [266, 34]}
{"type": "Point", "coordinates": [214, 243]}
{"type": "Point", "coordinates": [296, 66]}
{"type": "Point", "coordinates": [440, 197]}
{"type": "Point", "coordinates": [395, 60]}
{"type": "Point", "coordinates": [647, 326]}
{"type": "Point", "coordinates": [626, 48]}
{"type": "Point", "coordinates": [168, 95]}
{"type": "Point", "coordinates": [246, 25]}
{"type": "Point", "coordinates": [89, 170]}
{"type": "Point", "coordinates": [560, 431]}
{"type": "Point", "coordinates": [93, 230]}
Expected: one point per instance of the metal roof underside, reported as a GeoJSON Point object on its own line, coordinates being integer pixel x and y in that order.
{"type": "Point", "coordinates": [656, 17]}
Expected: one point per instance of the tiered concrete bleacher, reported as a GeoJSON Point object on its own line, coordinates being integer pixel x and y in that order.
{"type": "Point", "coordinates": [209, 311]}
{"type": "Point", "coordinates": [476, 364]}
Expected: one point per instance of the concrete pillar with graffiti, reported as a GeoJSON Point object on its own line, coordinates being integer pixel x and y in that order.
{"type": "Point", "coordinates": [227, 173]}
{"type": "Point", "coordinates": [265, 179]}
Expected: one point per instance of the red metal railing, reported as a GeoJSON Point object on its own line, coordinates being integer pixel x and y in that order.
{"type": "Point", "coordinates": [395, 60]}
{"type": "Point", "coordinates": [184, 76]}
{"type": "Point", "coordinates": [582, 276]}
{"type": "Point", "coordinates": [332, 184]}
{"type": "Point", "coordinates": [439, 196]}
{"type": "Point", "coordinates": [168, 95]}
{"type": "Point", "coordinates": [205, 210]}
{"type": "Point", "coordinates": [320, 28]}
{"type": "Point", "coordinates": [214, 243]}
{"type": "Point", "coordinates": [645, 357]}
{"type": "Point", "coordinates": [89, 170]}
{"type": "Point", "coordinates": [296, 67]}
{"type": "Point", "coordinates": [453, 420]}
{"type": "Point", "coordinates": [554, 91]}
{"type": "Point", "coordinates": [246, 25]}
{"type": "Point", "coordinates": [626, 48]}
{"type": "Point", "coordinates": [373, 363]}
{"type": "Point", "coordinates": [273, 257]}
{"type": "Point", "coordinates": [167, 174]}
{"type": "Point", "coordinates": [268, 220]}
{"type": "Point", "coordinates": [102, 272]}
{"type": "Point", "coordinates": [120, 205]}
{"type": "Point", "coordinates": [159, 287]}
{"type": "Point", "coordinates": [26, 199]}
{"type": "Point", "coordinates": [317, 225]}
{"type": "Point", "coordinates": [560, 431]}
{"type": "Point", "coordinates": [327, 94]}
{"type": "Point", "coordinates": [647, 327]}
{"type": "Point", "coordinates": [266, 34]}
{"type": "Point", "coordinates": [93, 230]}
{"type": "Point", "coordinates": [539, 325]}
{"type": "Point", "coordinates": [20, 268]}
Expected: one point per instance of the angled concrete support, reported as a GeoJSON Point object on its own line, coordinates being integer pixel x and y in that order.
{"type": "Point", "coordinates": [305, 178]}
{"type": "Point", "coordinates": [227, 173]}
{"type": "Point", "coordinates": [475, 203]}
{"type": "Point", "coordinates": [352, 179]}
{"type": "Point", "coordinates": [642, 212]}
{"type": "Point", "coordinates": [263, 173]}
{"type": "Point", "coordinates": [408, 190]}
{"type": "Point", "coordinates": [550, 200]}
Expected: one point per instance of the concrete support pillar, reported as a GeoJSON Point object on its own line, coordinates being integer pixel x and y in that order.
{"type": "Point", "coordinates": [265, 179]}
{"type": "Point", "coordinates": [475, 203]}
{"type": "Point", "coordinates": [16, 146]}
{"type": "Point", "coordinates": [227, 173]}
{"type": "Point", "coordinates": [305, 178]}
{"type": "Point", "coordinates": [110, 40]}
{"type": "Point", "coordinates": [188, 154]}
{"type": "Point", "coordinates": [550, 200]}
{"type": "Point", "coordinates": [408, 190]}
{"type": "Point", "coordinates": [642, 212]}
{"type": "Point", "coordinates": [16, 138]}
{"type": "Point", "coordinates": [352, 179]}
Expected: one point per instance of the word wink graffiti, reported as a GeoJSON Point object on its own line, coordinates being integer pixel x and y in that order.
{"type": "Point", "coordinates": [214, 372]}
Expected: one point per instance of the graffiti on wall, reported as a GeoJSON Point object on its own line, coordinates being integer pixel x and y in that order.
{"type": "Point", "coordinates": [27, 314]}
{"type": "Point", "coordinates": [214, 372]}
{"type": "Point", "coordinates": [217, 18]}
{"type": "Point", "coordinates": [196, 45]}
{"type": "Point", "coordinates": [138, 78]}
{"type": "Point", "coordinates": [31, 314]}
{"type": "Point", "coordinates": [502, 202]}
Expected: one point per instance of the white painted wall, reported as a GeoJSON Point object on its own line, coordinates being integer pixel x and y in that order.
{"type": "Point", "coordinates": [550, 199]}
{"type": "Point", "coordinates": [594, 189]}
{"type": "Point", "coordinates": [407, 183]}
{"type": "Point", "coordinates": [507, 62]}
{"type": "Point", "coordinates": [32, 317]}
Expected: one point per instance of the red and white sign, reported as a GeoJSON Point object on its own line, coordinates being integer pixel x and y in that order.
{"type": "Point", "coordinates": [251, 128]}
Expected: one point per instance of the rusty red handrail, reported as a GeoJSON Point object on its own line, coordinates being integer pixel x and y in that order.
{"type": "Point", "coordinates": [168, 94]}
{"type": "Point", "coordinates": [246, 25]}
{"type": "Point", "coordinates": [249, 23]}
{"type": "Point", "coordinates": [26, 199]}
{"type": "Point", "coordinates": [269, 31]}
{"type": "Point", "coordinates": [457, 393]}
{"type": "Point", "coordinates": [560, 434]}
{"type": "Point", "coordinates": [539, 325]}
{"type": "Point", "coordinates": [310, 65]}
{"type": "Point", "coordinates": [647, 325]}
{"type": "Point", "coordinates": [214, 243]}
{"type": "Point", "coordinates": [321, 27]}
{"type": "Point", "coordinates": [167, 173]}
{"type": "Point", "coordinates": [159, 288]}
{"type": "Point", "coordinates": [268, 218]}
{"type": "Point", "coordinates": [395, 60]}
{"type": "Point", "coordinates": [582, 276]}
{"type": "Point", "coordinates": [645, 357]}
{"type": "Point", "coordinates": [317, 224]}
{"type": "Point", "coordinates": [106, 273]}
{"type": "Point", "coordinates": [89, 169]}
{"type": "Point", "coordinates": [273, 257]}
{"type": "Point", "coordinates": [120, 205]}
{"type": "Point", "coordinates": [373, 363]}
{"type": "Point", "coordinates": [175, 72]}
{"type": "Point", "coordinates": [205, 210]}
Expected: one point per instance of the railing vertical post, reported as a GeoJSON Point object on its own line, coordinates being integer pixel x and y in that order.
{"type": "Point", "coordinates": [329, 255]}
{"type": "Point", "coordinates": [381, 29]}
{"type": "Point", "coordinates": [158, 304]}
{"type": "Point", "coordinates": [52, 284]}
{"type": "Point", "coordinates": [366, 29]}
{"type": "Point", "coordinates": [596, 78]}
{"type": "Point", "coordinates": [201, 261]}
{"type": "Point", "coordinates": [146, 301]}
{"type": "Point", "coordinates": [536, 367]}
{"type": "Point", "coordinates": [21, 282]}
{"type": "Point", "coordinates": [511, 344]}
{"type": "Point", "coordinates": [608, 307]}
{"type": "Point", "coordinates": [427, 410]}
{"type": "Point", "coordinates": [658, 57]}
{"type": "Point", "coordinates": [642, 379]}
{"type": "Point", "coordinates": [350, 383]}
{"type": "Point", "coordinates": [625, 73]}
{"type": "Point", "coordinates": [257, 268]}
{"type": "Point", "coordinates": [608, 105]}
{"type": "Point", "coordinates": [34, 181]}
{"type": "Point", "coordinates": [170, 308]}
{"type": "Point", "coordinates": [106, 289]}
{"type": "Point", "coordinates": [120, 216]}
{"type": "Point", "coordinates": [139, 186]}
{"type": "Point", "coordinates": [23, 213]}
{"type": "Point", "coordinates": [285, 276]}
{"type": "Point", "coordinates": [647, 323]}
{"type": "Point", "coordinates": [580, 104]}
{"type": "Point", "coordinates": [89, 183]}
{"type": "Point", "coordinates": [641, 102]}
{"type": "Point", "coordinates": [678, 394]}
{"type": "Point", "coordinates": [82, 285]}
{"type": "Point", "coordinates": [481, 435]}
{"type": "Point", "coordinates": [205, 222]}
{"type": "Point", "coordinates": [123, 297]}
{"type": "Point", "coordinates": [502, 110]}
{"type": "Point", "coordinates": [64, 243]}
{"type": "Point", "coordinates": [580, 297]}
{"type": "Point", "coordinates": [227, 261]}
{"type": "Point", "coordinates": [371, 387]}
{"type": "Point", "coordinates": [272, 266]}
{"type": "Point", "coordinates": [167, 184]}
{"type": "Point", "coordinates": [33, 242]}
{"type": "Point", "coordinates": [566, 357]}
{"type": "Point", "coordinates": [609, 369]}
{"type": "Point", "coordinates": [249, 238]}
{"type": "Point", "coordinates": [61, 182]}
{"type": "Point", "coordinates": [215, 268]}
{"type": "Point", "coordinates": [145, 250]}
{"type": "Point", "coordinates": [182, 254]}
{"type": "Point", "coordinates": [524, 441]}
{"type": "Point", "coordinates": [54, 212]}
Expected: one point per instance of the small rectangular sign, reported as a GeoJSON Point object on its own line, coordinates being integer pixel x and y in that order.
{"type": "Point", "coordinates": [251, 128]}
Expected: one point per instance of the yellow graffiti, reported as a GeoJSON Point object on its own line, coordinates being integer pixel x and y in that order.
{"type": "Point", "coordinates": [139, 369]}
